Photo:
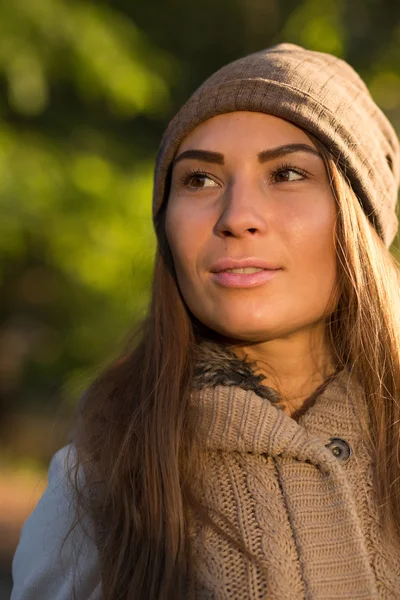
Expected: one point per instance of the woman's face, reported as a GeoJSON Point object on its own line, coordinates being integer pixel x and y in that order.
{"type": "Point", "coordinates": [250, 223]}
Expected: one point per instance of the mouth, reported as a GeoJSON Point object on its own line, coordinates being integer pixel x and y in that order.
{"type": "Point", "coordinates": [243, 277]}
{"type": "Point", "coordinates": [247, 264]}
{"type": "Point", "coordinates": [243, 270]}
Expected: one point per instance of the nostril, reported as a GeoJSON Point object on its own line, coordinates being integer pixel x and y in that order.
{"type": "Point", "coordinates": [252, 230]}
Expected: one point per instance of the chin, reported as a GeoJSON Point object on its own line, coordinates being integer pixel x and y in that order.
{"type": "Point", "coordinates": [246, 332]}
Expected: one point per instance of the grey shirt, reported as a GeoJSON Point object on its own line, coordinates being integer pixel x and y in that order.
{"type": "Point", "coordinates": [45, 569]}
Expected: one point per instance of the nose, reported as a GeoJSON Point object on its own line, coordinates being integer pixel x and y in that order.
{"type": "Point", "coordinates": [243, 211]}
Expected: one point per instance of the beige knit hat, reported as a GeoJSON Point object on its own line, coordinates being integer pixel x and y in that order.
{"type": "Point", "coordinates": [321, 94]}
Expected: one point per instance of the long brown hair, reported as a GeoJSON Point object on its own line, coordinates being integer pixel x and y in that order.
{"type": "Point", "coordinates": [135, 439]}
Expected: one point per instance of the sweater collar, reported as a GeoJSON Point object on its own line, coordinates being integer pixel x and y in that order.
{"type": "Point", "coordinates": [236, 411]}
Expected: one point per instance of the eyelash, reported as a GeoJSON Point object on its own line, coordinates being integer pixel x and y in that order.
{"type": "Point", "coordinates": [188, 175]}
{"type": "Point", "coordinates": [288, 167]}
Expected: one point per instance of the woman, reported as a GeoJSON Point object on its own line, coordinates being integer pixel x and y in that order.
{"type": "Point", "coordinates": [247, 445]}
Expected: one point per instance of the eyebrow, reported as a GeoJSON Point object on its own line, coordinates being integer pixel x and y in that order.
{"type": "Point", "coordinates": [264, 156]}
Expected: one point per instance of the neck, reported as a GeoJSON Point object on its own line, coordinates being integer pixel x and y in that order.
{"type": "Point", "coordinates": [296, 366]}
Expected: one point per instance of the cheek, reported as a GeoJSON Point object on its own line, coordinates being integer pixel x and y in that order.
{"type": "Point", "coordinates": [312, 251]}
{"type": "Point", "coordinates": [185, 239]}
{"type": "Point", "coordinates": [309, 222]}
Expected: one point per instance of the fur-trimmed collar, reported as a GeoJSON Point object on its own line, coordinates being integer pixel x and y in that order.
{"type": "Point", "coordinates": [217, 365]}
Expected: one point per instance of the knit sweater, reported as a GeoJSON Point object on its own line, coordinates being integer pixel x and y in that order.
{"type": "Point", "coordinates": [299, 495]}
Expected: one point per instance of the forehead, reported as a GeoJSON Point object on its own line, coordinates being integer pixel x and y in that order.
{"type": "Point", "coordinates": [244, 129]}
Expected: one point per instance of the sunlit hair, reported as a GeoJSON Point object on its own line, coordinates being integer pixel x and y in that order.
{"type": "Point", "coordinates": [135, 437]}
{"type": "Point", "coordinates": [365, 336]}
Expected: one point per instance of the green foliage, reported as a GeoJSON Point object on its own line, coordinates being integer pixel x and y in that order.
{"type": "Point", "coordinates": [384, 75]}
{"type": "Point", "coordinates": [99, 51]}
{"type": "Point", "coordinates": [318, 26]}
{"type": "Point", "coordinates": [76, 240]}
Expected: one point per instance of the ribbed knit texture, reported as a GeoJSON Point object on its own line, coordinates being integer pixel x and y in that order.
{"type": "Point", "coordinates": [318, 92]}
{"type": "Point", "coordinates": [310, 519]}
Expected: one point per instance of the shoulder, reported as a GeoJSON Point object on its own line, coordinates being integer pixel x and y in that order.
{"type": "Point", "coordinates": [49, 563]}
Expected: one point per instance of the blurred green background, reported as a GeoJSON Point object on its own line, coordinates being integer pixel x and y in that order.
{"type": "Point", "coordinates": [86, 90]}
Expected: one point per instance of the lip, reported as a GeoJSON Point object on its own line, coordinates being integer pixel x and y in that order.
{"type": "Point", "coordinates": [242, 280]}
{"type": "Point", "coordinates": [240, 263]}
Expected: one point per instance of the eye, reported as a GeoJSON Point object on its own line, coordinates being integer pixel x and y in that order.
{"type": "Point", "coordinates": [287, 173]}
{"type": "Point", "coordinates": [197, 180]}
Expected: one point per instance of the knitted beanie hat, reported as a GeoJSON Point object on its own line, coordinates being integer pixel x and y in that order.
{"type": "Point", "coordinates": [321, 94]}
